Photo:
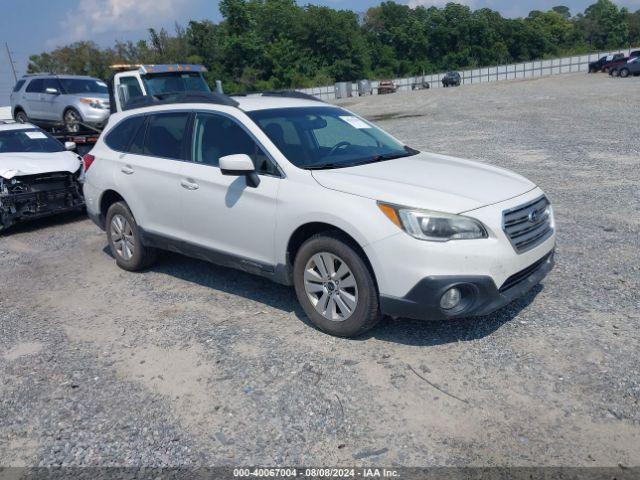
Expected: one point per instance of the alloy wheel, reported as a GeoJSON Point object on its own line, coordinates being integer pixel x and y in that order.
{"type": "Point", "coordinates": [72, 121]}
{"type": "Point", "coordinates": [331, 286]}
{"type": "Point", "coordinates": [122, 237]}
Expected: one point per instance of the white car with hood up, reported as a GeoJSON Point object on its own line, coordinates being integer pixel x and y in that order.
{"type": "Point", "coordinates": [314, 196]}
{"type": "Point", "coordinates": [39, 176]}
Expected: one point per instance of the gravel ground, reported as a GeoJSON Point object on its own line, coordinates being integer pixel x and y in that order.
{"type": "Point", "coordinates": [190, 364]}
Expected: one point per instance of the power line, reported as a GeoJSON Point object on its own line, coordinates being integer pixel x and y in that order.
{"type": "Point", "coordinates": [13, 66]}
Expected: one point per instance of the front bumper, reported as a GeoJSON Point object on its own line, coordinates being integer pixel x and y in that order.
{"type": "Point", "coordinates": [94, 116]}
{"type": "Point", "coordinates": [20, 207]}
{"type": "Point", "coordinates": [480, 295]}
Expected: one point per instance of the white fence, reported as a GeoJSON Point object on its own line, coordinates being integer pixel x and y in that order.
{"type": "Point", "coordinates": [531, 69]}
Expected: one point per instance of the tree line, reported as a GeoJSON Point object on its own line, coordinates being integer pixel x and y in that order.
{"type": "Point", "coordinates": [276, 44]}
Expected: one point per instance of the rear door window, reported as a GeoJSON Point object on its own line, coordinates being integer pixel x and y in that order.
{"type": "Point", "coordinates": [137, 144]}
{"type": "Point", "coordinates": [35, 86]}
{"type": "Point", "coordinates": [120, 137]}
{"type": "Point", "coordinates": [166, 135]}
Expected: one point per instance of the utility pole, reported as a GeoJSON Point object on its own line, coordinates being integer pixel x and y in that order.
{"type": "Point", "coordinates": [13, 67]}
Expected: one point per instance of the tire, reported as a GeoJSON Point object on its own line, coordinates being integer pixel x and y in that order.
{"type": "Point", "coordinates": [614, 73]}
{"type": "Point", "coordinates": [127, 249]}
{"type": "Point", "coordinates": [72, 120]}
{"type": "Point", "coordinates": [605, 70]}
{"type": "Point", "coordinates": [351, 307]}
{"type": "Point", "coordinates": [624, 73]}
{"type": "Point", "coordinates": [21, 117]}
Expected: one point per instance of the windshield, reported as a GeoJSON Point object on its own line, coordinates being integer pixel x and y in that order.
{"type": "Point", "coordinates": [31, 140]}
{"type": "Point", "coordinates": [75, 86]}
{"type": "Point", "coordinates": [327, 137]}
{"type": "Point", "coordinates": [174, 82]}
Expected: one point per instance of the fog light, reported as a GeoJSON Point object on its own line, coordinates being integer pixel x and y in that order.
{"type": "Point", "coordinates": [450, 299]}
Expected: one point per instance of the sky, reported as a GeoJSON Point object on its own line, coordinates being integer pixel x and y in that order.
{"type": "Point", "coordinates": [34, 26]}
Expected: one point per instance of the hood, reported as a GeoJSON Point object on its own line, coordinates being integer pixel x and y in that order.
{"type": "Point", "coordinates": [29, 163]}
{"type": "Point", "coordinates": [429, 181]}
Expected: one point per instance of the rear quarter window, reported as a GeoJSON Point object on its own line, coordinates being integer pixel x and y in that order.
{"type": "Point", "coordinates": [19, 85]}
{"type": "Point", "coordinates": [119, 139]}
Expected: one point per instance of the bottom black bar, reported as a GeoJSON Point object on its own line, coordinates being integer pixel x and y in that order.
{"type": "Point", "coordinates": [398, 473]}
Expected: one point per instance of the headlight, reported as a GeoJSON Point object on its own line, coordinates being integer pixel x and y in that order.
{"type": "Point", "coordinates": [92, 102]}
{"type": "Point", "coordinates": [434, 226]}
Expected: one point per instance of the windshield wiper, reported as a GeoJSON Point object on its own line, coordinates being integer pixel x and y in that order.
{"type": "Point", "coordinates": [408, 152]}
{"type": "Point", "coordinates": [377, 158]}
{"type": "Point", "coordinates": [327, 166]}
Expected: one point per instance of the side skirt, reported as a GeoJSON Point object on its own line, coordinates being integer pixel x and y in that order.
{"type": "Point", "coordinates": [217, 257]}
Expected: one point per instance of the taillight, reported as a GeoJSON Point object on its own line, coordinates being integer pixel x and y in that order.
{"type": "Point", "coordinates": [87, 160]}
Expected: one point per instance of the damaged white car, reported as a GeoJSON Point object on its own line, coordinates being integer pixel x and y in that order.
{"type": "Point", "coordinates": [39, 176]}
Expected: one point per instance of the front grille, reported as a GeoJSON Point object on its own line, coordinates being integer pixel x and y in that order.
{"type": "Point", "coordinates": [522, 275]}
{"type": "Point", "coordinates": [528, 225]}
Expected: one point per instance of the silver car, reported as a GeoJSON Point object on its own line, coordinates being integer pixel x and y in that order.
{"type": "Point", "coordinates": [74, 102]}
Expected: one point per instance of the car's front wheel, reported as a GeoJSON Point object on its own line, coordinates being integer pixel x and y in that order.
{"type": "Point", "coordinates": [72, 121]}
{"type": "Point", "coordinates": [125, 241]}
{"type": "Point", "coordinates": [335, 287]}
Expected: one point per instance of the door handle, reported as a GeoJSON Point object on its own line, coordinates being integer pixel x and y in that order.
{"type": "Point", "coordinates": [189, 185]}
{"type": "Point", "coordinates": [127, 170]}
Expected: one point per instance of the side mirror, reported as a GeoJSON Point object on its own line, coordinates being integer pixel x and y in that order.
{"type": "Point", "coordinates": [70, 146]}
{"type": "Point", "coordinates": [240, 165]}
{"type": "Point", "coordinates": [52, 91]}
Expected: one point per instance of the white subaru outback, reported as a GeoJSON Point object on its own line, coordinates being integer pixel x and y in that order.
{"type": "Point", "coordinates": [314, 196]}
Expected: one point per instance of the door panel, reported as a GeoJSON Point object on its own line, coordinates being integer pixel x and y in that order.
{"type": "Point", "coordinates": [151, 186]}
{"type": "Point", "coordinates": [226, 215]}
{"type": "Point", "coordinates": [223, 213]}
{"type": "Point", "coordinates": [32, 96]}
{"type": "Point", "coordinates": [49, 102]}
{"type": "Point", "coordinates": [149, 174]}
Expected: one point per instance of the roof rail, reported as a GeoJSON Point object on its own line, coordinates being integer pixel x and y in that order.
{"type": "Point", "coordinates": [180, 97]}
{"type": "Point", "coordinates": [39, 74]}
{"type": "Point", "coordinates": [291, 94]}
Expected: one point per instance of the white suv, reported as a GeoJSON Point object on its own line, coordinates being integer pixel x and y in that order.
{"type": "Point", "coordinates": [311, 195]}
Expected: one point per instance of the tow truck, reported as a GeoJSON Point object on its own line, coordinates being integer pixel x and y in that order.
{"type": "Point", "coordinates": [135, 83]}
{"type": "Point", "coordinates": [130, 82]}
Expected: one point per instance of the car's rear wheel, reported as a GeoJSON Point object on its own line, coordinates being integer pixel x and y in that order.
{"type": "Point", "coordinates": [614, 72]}
{"type": "Point", "coordinates": [605, 70]}
{"type": "Point", "coordinates": [21, 117]}
{"type": "Point", "coordinates": [125, 241]}
{"type": "Point", "coordinates": [72, 120]}
{"type": "Point", "coordinates": [335, 287]}
{"type": "Point", "coordinates": [624, 73]}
